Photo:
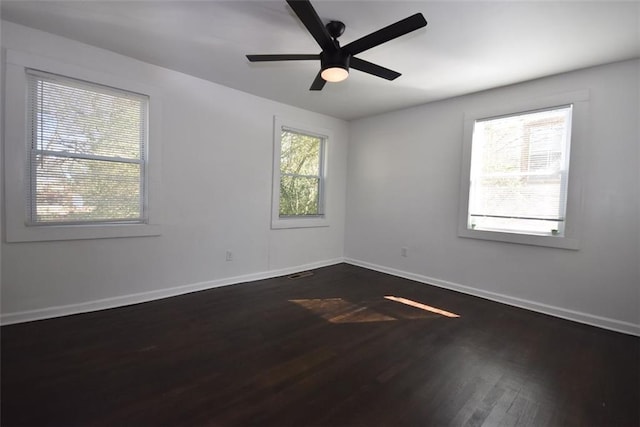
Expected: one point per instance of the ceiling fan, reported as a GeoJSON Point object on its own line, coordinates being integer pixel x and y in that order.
{"type": "Point", "coordinates": [335, 60]}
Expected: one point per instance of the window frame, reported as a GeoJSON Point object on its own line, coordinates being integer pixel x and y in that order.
{"type": "Point", "coordinates": [17, 144]}
{"type": "Point", "coordinates": [571, 237]}
{"type": "Point", "coordinates": [298, 221]}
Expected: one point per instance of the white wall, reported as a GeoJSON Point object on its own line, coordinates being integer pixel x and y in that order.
{"type": "Point", "coordinates": [403, 191]}
{"type": "Point", "coordinates": [216, 188]}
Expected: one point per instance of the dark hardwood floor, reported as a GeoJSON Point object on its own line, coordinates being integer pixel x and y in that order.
{"type": "Point", "coordinates": [323, 350]}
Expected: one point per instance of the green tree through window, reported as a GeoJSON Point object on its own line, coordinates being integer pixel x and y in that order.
{"type": "Point", "coordinates": [301, 158]}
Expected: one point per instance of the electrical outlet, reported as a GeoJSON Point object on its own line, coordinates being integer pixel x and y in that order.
{"type": "Point", "coordinates": [403, 251]}
{"type": "Point", "coordinates": [229, 256]}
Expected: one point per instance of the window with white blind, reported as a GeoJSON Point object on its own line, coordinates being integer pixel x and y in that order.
{"type": "Point", "coordinates": [299, 176]}
{"type": "Point", "coordinates": [82, 152]}
{"type": "Point", "coordinates": [519, 170]}
{"type": "Point", "coordinates": [87, 154]}
{"type": "Point", "coordinates": [516, 183]}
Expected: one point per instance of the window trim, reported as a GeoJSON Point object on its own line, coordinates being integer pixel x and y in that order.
{"type": "Point", "coordinates": [321, 220]}
{"type": "Point", "coordinates": [17, 142]}
{"type": "Point", "coordinates": [571, 238]}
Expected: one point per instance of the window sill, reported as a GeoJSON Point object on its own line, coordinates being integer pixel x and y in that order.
{"type": "Point", "coordinates": [560, 242]}
{"type": "Point", "coordinates": [80, 232]}
{"type": "Point", "coordinates": [278, 223]}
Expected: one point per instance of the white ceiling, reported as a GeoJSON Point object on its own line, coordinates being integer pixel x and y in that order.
{"type": "Point", "coordinates": [466, 47]}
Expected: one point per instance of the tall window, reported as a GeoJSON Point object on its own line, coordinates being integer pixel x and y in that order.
{"type": "Point", "coordinates": [87, 152]}
{"type": "Point", "coordinates": [299, 182]}
{"type": "Point", "coordinates": [300, 173]}
{"type": "Point", "coordinates": [519, 172]}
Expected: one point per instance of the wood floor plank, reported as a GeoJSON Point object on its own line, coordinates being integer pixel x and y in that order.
{"type": "Point", "coordinates": [324, 350]}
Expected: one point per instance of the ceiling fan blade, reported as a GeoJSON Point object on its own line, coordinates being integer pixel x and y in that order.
{"type": "Point", "coordinates": [385, 34]}
{"type": "Point", "coordinates": [294, 57]}
{"type": "Point", "coordinates": [376, 70]}
{"type": "Point", "coordinates": [318, 83]}
{"type": "Point", "coordinates": [312, 21]}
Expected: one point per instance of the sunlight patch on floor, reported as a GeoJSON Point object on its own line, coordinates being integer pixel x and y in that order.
{"type": "Point", "coordinates": [337, 310]}
{"type": "Point", "coordinates": [421, 306]}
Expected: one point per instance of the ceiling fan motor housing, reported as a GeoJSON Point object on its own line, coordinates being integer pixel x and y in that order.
{"type": "Point", "coordinates": [337, 58]}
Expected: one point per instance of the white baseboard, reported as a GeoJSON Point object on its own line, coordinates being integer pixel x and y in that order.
{"type": "Point", "coordinates": [576, 316]}
{"type": "Point", "coordinates": [119, 301]}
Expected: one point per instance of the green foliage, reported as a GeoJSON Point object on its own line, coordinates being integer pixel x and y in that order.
{"type": "Point", "coordinates": [300, 175]}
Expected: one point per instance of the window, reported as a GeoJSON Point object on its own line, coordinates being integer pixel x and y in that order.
{"type": "Point", "coordinates": [82, 152]}
{"type": "Point", "coordinates": [516, 182]}
{"type": "Point", "coordinates": [519, 169]}
{"type": "Point", "coordinates": [87, 154]}
{"type": "Point", "coordinates": [300, 174]}
{"type": "Point", "coordinates": [299, 181]}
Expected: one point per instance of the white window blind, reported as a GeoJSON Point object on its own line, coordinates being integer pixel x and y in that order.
{"type": "Point", "coordinates": [519, 171]}
{"type": "Point", "coordinates": [87, 152]}
{"type": "Point", "coordinates": [301, 166]}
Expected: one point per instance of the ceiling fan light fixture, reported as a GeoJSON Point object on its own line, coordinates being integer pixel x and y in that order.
{"type": "Point", "coordinates": [334, 74]}
{"type": "Point", "coordinates": [334, 66]}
